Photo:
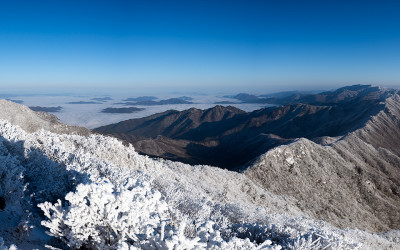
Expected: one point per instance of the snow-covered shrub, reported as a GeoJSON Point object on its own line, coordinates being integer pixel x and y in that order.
{"type": "Point", "coordinates": [207, 237]}
{"type": "Point", "coordinates": [291, 234]}
{"type": "Point", "coordinates": [14, 204]}
{"type": "Point", "coordinates": [12, 184]}
{"type": "Point", "coordinates": [102, 216]}
{"type": "Point", "coordinates": [48, 180]}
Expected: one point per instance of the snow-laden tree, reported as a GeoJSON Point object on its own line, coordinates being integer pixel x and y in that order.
{"type": "Point", "coordinates": [14, 204]}
{"type": "Point", "coordinates": [12, 184]}
{"type": "Point", "coordinates": [207, 237]}
{"type": "Point", "coordinates": [102, 216]}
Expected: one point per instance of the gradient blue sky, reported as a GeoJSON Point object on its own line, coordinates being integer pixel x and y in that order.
{"type": "Point", "coordinates": [198, 45]}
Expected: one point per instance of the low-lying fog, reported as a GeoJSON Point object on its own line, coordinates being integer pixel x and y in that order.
{"type": "Point", "coordinates": [89, 111]}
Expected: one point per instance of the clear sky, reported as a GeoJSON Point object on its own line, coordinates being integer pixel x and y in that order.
{"type": "Point", "coordinates": [198, 44]}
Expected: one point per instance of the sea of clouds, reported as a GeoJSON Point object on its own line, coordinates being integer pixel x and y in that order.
{"type": "Point", "coordinates": [90, 115]}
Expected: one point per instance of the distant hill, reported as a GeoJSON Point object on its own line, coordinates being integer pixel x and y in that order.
{"type": "Point", "coordinates": [102, 99]}
{"type": "Point", "coordinates": [140, 99]}
{"type": "Point", "coordinates": [121, 110]}
{"type": "Point", "coordinates": [284, 94]}
{"type": "Point", "coordinates": [84, 102]}
{"type": "Point", "coordinates": [149, 102]}
{"type": "Point", "coordinates": [46, 109]}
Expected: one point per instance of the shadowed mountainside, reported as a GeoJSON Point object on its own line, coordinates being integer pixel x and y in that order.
{"type": "Point", "coordinates": [228, 137]}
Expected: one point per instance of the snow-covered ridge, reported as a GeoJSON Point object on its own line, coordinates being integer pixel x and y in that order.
{"type": "Point", "coordinates": [350, 181]}
{"type": "Point", "coordinates": [95, 192]}
{"type": "Point", "coordinates": [197, 206]}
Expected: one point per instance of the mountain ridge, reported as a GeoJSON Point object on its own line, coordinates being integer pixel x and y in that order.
{"type": "Point", "coordinates": [238, 133]}
{"type": "Point", "coordinates": [358, 172]}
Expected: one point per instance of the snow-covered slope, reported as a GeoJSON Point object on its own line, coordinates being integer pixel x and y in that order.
{"type": "Point", "coordinates": [351, 181]}
{"type": "Point", "coordinates": [97, 193]}
{"type": "Point", "coordinates": [32, 121]}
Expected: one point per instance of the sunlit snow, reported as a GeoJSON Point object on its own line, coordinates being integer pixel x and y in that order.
{"type": "Point", "coordinates": [95, 192]}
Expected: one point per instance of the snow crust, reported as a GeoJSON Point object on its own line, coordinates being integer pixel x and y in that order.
{"type": "Point", "coordinates": [94, 192]}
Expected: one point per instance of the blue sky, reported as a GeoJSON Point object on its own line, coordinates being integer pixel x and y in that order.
{"type": "Point", "coordinates": [198, 45]}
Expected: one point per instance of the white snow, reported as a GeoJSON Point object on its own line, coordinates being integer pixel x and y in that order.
{"type": "Point", "coordinates": [95, 192]}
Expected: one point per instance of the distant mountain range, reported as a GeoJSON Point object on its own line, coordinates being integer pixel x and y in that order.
{"type": "Point", "coordinates": [121, 110]}
{"type": "Point", "coordinates": [307, 97]}
{"type": "Point", "coordinates": [150, 101]}
{"type": "Point", "coordinates": [228, 137]}
{"type": "Point", "coordinates": [102, 99]}
{"type": "Point", "coordinates": [46, 109]}
{"type": "Point", "coordinates": [84, 102]}
{"type": "Point", "coordinates": [140, 99]}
